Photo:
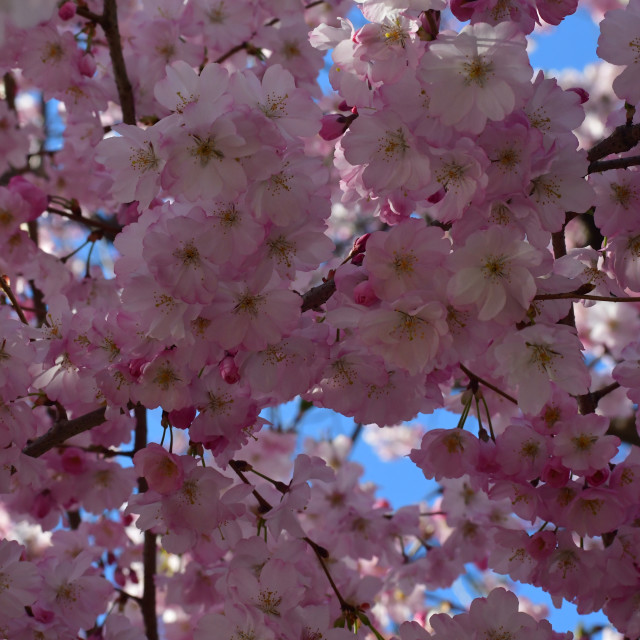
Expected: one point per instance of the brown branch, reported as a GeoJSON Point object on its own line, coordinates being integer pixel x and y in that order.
{"type": "Point", "coordinates": [623, 138]}
{"type": "Point", "coordinates": [62, 431]}
{"type": "Point", "coordinates": [231, 52]}
{"type": "Point", "coordinates": [239, 466]}
{"type": "Point", "coordinates": [4, 285]}
{"type": "Point", "coordinates": [584, 296]}
{"type": "Point", "coordinates": [108, 20]}
{"type": "Point", "coordinates": [625, 429]}
{"type": "Point", "coordinates": [616, 163]}
{"type": "Point", "coordinates": [112, 32]}
{"type": "Point", "coordinates": [472, 376]}
{"type": "Point", "coordinates": [89, 222]}
{"type": "Point", "coordinates": [36, 293]}
{"type": "Point", "coordinates": [588, 402]}
{"type": "Point", "coordinates": [149, 553]}
{"type": "Point", "coordinates": [314, 298]}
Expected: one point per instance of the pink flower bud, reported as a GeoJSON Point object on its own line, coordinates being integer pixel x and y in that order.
{"type": "Point", "coordinates": [598, 477]}
{"type": "Point", "coordinates": [555, 474]}
{"type": "Point", "coordinates": [358, 259]}
{"type": "Point", "coordinates": [333, 126]}
{"type": "Point", "coordinates": [67, 11]}
{"type": "Point", "coordinates": [541, 544]}
{"type": "Point", "coordinates": [87, 66]}
{"type": "Point", "coordinates": [182, 418]}
{"type": "Point", "coordinates": [584, 95]}
{"type": "Point", "coordinates": [31, 194]}
{"type": "Point", "coordinates": [229, 370]}
{"type": "Point", "coordinates": [360, 244]}
{"type": "Point", "coordinates": [363, 294]}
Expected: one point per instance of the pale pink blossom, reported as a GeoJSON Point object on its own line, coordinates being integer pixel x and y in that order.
{"type": "Point", "coordinates": [477, 75]}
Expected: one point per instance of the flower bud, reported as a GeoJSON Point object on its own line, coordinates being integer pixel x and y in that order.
{"type": "Point", "coordinates": [363, 294]}
{"type": "Point", "coordinates": [229, 370]}
{"type": "Point", "coordinates": [67, 11]}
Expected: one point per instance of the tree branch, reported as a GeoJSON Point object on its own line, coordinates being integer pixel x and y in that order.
{"type": "Point", "coordinates": [316, 297]}
{"type": "Point", "coordinates": [616, 163]}
{"type": "Point", "coordinates": [62, 431]}
{"type": "Point", "coordinates": [112, 32]}
{"type": "Point", "coordinates": [624, 138]}
{"type": "Point", "coordinates": [584, 296]}
{"type": "Point", "coordinates": [149, 553]}
{"type": "Point", "coordinates": [4, 285]}
{"type": "Point", "coordinates": [500, 392]}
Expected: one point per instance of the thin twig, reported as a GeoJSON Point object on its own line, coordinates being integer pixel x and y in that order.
{"type": "Point", "coordinates": [14, 301]}
{"type": "Point", "coordinates": [487, 384]}
{"type": "Point", "coordinates": [316, 297]}
{"type": "Point", "coordinates": [89, 222]}
{"type": "Point", "coordinates": [584, 296]}
{"type": "Point", "coordinates": [616, 163]}
{"type": "Point", "coordinates": [62, 431]}
{"type": "Point", "coordinates": [623, 138]}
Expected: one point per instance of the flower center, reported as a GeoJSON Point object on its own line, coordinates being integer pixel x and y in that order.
{"type": "Point", "coordinates": [477, 71]}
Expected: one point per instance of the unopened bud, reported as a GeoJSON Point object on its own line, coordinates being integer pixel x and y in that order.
{"type": "Point", "coordinates": [363, 294]}
{"type": "Point", "coordinates": [229, 370]}
{"type": "Point", "coordinates": [182, 418]}
{"type": "Point", "coordinates": [87, 66]}
{"type": "Point", "coordinates": [67, 11]}
{"type": "Point", "coordinates": [584, 95]}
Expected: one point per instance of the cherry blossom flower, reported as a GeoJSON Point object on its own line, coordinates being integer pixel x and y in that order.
{"type": "Point", "coordinates": [532, 358]}
{"type": "Point", "coordinates": [476, 75]}
{"type": "Point", "coordinates": [493, 271]}
{"type": "Point", "coordinates": [19, 581]}
{"type": "Point", "coordinates": [392, 155]}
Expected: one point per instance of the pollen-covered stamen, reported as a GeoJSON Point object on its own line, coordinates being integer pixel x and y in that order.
{"type": "Point", "coordinates": [453, 442]}
{"type": "Point", "coordinates": [343, 373]}
{"type": "Point", "coordinates": [404, 262]}
{"type": "Point", "coordinates": [66, 593]}
{"type": "Point", "coordinates": [545, 189]}
{"type": "Point", "coordinates": [622, 194]}
{"type": "Point", "coordinates": [291, 50]}
{"type": "Point", "coordinates": [279, 182]}
{"type": "Point", "coordinates": [634, 45]}
{"type": "Point", "coordinates": [249, 304]}
{"type": "Point", "coordinates": [269, 601]}
{"type": "Point", "coordinates": [409, 327]}
{"type": "Point", "coordinates": [392, 144]}
{"type": "Point", "coordinates": [188, 254]}
{"type": "Point", "coordinates": [228, 216]}
{"type": "Point", "coordinates": [496, 267]}
{"type": "Point", "coordinates": [500, 214]}
{"type": "Point", "coordinates": [530, 449]}
{"type": "Point", "coordinates": [189, 492]}
{"type": "Point", "coordinates": [477, 71]}
{"type": "Point", "coordinates": [394, 33]}
{"type": "Point", "coordinates": [205, 150]}
{"type": "Point", "coordinates": [217, 15]}
{"type": "Point", "coordinates": [165, 377]}
{"type": "Point", "coordinates": [508, 158]}
{"type": "Point", "coordinates": [53, 52]}
{"type": "Point", "coordinates": [275, 106]}
{"type": "Point", "coordinates": [539, 119]}
{"type": "Point", "coordinates": [144, 159]}
{"type": "Point", "coordinates": [6, 218]}
{"type": "Point", "coordinates": [219, 404]}
{"type": "Point", "coordinates": [450, 175]}
{"type": "Point", "coordinates": [281, 250]}
{"type": "Point", "coordinates": [542, 356]}
{"type": "Point", "coordinates": [584, 442]}
{"type": "Point", "coordinates": [633, 246]}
